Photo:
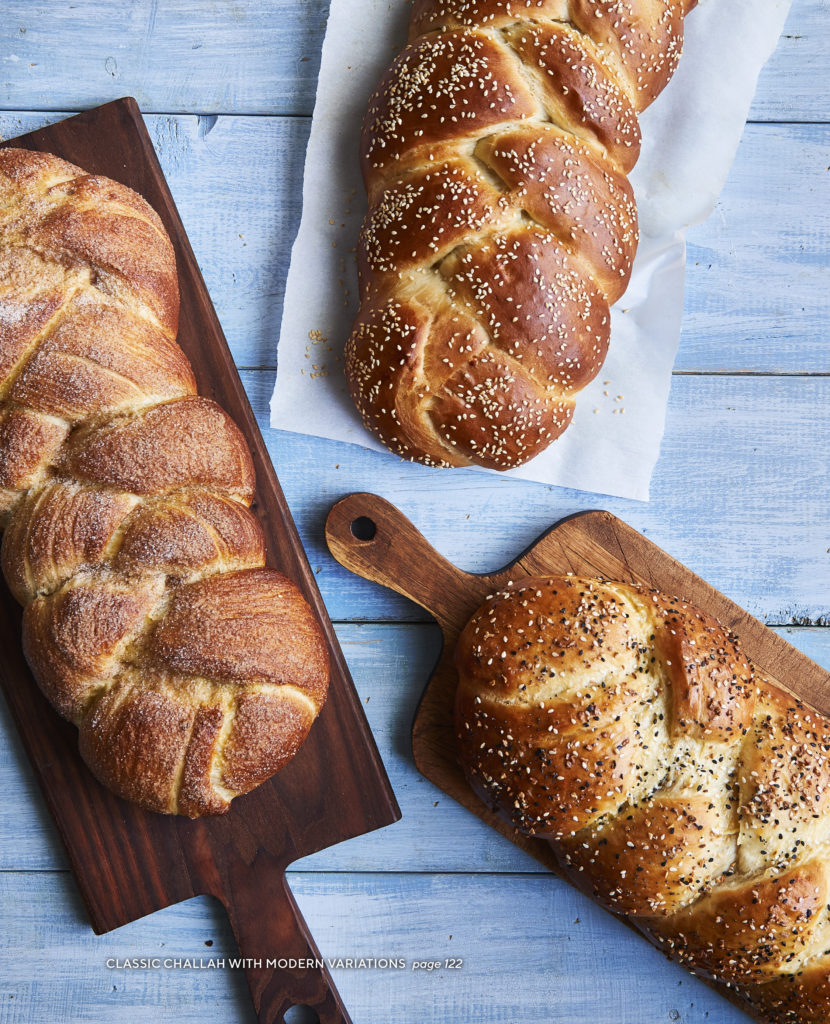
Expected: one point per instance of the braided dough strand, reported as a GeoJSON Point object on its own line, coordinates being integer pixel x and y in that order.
{"type": "Point", "coordinates": [675, 783]}
{"type": "Point", "coordinates": [192, 671]}
{"type": "Point", "coordinates": [501, 224]}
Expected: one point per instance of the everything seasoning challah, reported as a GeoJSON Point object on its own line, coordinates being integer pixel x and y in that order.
{"type": "Point", "coordinates": [501, 222]}
{"type": "Point", "coordinates": [675, 783]}
{"type": "Point", "coordinates": [192, 671]}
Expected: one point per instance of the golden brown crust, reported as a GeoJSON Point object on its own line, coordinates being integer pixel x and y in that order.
{"type": "Point", "coordinates": [75, 638]}
{"type": "Point", "coordinates": [29, 444]}
{"type": "Point", "coordinates": [135, 740]}
{"type": "Point", "coordinates": [675, 783]}
{"type": "Point", "coordinates": [189, 533]}
{"type": "Point", "coordinates": [79, 374]}
{"type": "Point", "coordinates": [193, 672]}
{"type": "Point", "coordinates": [233, 674]}
{"type": "Point", "coordinates": [118, 236]}
{"type": "Point", "coordinates": [55, 531]}
{"type": "Point", "coordinates": [798, 998]}
{"type": "Point", "coordinates": [784, 784]}
{"type": "Point", "coordinates": [251, 755]}
{"type": "Point", "coordinates": [587, 205]}
{"type": "Point", "coordinates": [197, 792]}
{"type": "Point", "coordinates": [579, 90]}
{"type": "Point", "coordinates": [432, 15]}
{"type": "Point", "coordinates": [465, 69]}
{"type": "Point", "coordinates": [644, 37]}
{"type": "Point", "coordinates": [190, 442]}
{"type": "Point", "coordinates": [32, 293]}
{"type": "Point", "coordinates": [245, 627]}
{"type": "Point", "coordinates": [708, 673]}
{"type": "Point", "coordinates": [660, 853]}
{"type": "Point", "coordinates": [25, 171]}
{"type": "Point", "coordinates": [745, 933]}
{"type": "Point", "coordinates": [501, 223]}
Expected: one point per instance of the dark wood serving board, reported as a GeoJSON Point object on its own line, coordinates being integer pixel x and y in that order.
{"type": "Point", "coordinates": [128, 862]}
{"type": "Point", "coordinates": [596, 544]}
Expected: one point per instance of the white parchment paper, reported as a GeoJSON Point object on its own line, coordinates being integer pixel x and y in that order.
{"type": "Point", "coordinates": [690, 136]}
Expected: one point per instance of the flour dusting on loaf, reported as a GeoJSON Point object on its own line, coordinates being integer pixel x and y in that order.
{"type": "Point", "coordinates": [501, 225]}
{"type": "Point", "coordinates": [192, 671]}
{"type": "Point", "coordinates": [675, 782]}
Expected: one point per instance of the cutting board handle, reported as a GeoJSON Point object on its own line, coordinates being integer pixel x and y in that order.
{"type": "Point", "coordinates": [373, 539]}
{"type": "Point", "coordinates": [282, 964]}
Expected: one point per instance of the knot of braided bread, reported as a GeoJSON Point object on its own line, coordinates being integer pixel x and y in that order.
{"type": "Point", "coordinates": [674, 782]}
{"type": "Point", "coordinates": [501, 223]}
{"type": "Point", "coordinates": [192, 671]}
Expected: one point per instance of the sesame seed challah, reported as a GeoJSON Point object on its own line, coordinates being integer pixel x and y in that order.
{"type": "Point", "coordinates": [501, 223]}
{"type": "Point", "coordinates": [192, 671]}
{"type": "Point", "coordinates": [674, 781]}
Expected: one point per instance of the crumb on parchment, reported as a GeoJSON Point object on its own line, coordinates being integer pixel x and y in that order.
{"type": "Point", "coordinates": [316, 337]}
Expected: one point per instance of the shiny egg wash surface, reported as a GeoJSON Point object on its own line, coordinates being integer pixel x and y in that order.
{"type": "Point", "coordinates": [673, 780]}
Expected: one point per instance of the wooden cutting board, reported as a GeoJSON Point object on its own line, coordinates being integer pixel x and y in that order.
{"type": "Point", "coordinates": [372, 538]}
{"type": "Point", "coordinates": [128, 862]}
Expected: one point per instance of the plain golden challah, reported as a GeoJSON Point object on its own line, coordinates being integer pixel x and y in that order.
{"type": "Point", "coordinates": [501, 222]}
{"type": "Point", "coordinates": [192, 671]}
{"type": "Point", "coordinates": [675, 783]}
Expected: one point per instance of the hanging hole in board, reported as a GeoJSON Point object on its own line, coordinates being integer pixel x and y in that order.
{"type": "Point", "coordinates": [363, 528]}
{"type": "Point", "coordinates": [301, 1015]}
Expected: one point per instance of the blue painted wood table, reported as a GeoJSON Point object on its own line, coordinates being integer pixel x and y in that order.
{"type": "Point", "coordinates": [741, 495]}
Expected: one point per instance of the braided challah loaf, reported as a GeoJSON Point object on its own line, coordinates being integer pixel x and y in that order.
{"type": "Point", "coordinates": [501, 223]}
{"type": "Point", "coordinates": [674, 782]}
{"type": "Point", "coordinates": [192, 671]}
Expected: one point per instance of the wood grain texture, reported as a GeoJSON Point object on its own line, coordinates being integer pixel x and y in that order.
{"type": "Point", "coordinates": [202, 56]}
{"type": "Point", "coordinates": [390, 665]}
{"type": "Point", "coordinates": [739, 495]}
{"type": "Point", "coordinates": [758, 285]}
{"type": "Point", "coordinates": [593, 544]}
{"type": "Point", "coordinates": [128, 862]}
{"type": "Point", "coordinates": [516, 968]}
{"type": "Point", "coordinates": [261, 57]}
{"type": "Point", "coordinates": [757, 275]}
